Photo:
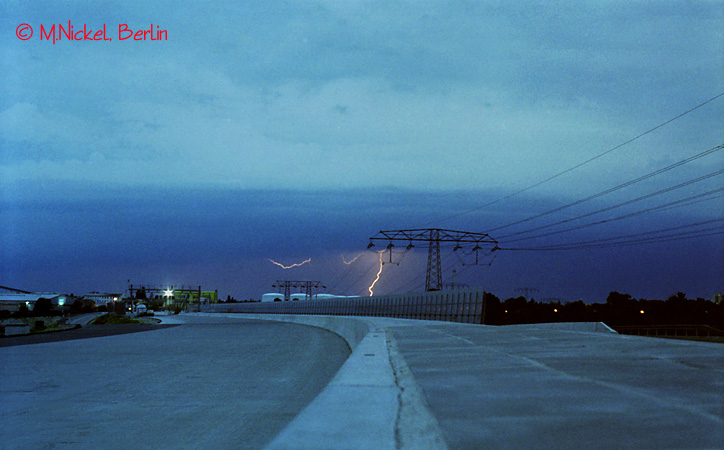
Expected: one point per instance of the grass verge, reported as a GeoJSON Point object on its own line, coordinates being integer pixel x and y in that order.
{"type": "Point", "coordinates": [112, 319]}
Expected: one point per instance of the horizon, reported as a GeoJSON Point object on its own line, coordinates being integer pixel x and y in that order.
{"type": "Point", "coordinates": [291, 130]}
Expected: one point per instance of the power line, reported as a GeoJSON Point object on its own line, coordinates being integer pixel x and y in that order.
{"type": "Point", "coordinates": [673, 237]}
{"type": "Point", "coordinates": [616, 188]}
{"type": "Point", "coordinates": [365, 273]}
{"type": "Point", "coordinates": [415, 280]}
{"type": "Point", "coordinates": [628, 202]}
{"type": "Point", "coordinates": [345, 274]}
{"type": "Point", "coordinates": [692, 201]}
{"type": "Point", "coordinates": [583, 244]}
{"type": "Point", "coordinates": [680, 202]}
{"type": "Point", "coordinates": [570, 169]}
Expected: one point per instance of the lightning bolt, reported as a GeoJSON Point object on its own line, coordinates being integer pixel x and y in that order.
{"type": "Point", "coordinates": [379, 272]}
{"type": "Point", "coordinates": [353, 259]}
{"type": "Point", "coordinates": [289, 267]}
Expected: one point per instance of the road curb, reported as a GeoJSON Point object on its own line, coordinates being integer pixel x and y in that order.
{"type": "Point", "coordinates": [372, 403]}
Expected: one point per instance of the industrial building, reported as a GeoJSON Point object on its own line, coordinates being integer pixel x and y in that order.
{"type": "Point", "coordinates": [173, 296]}
{"type": "Point", "coordinates": [104, 298]}
{"type": "Point", "coordinates": [11, 299]}
{"type": "Point", "coordinates": [192, 296]}
{"type": "Point", "coordinates": [277, 297]}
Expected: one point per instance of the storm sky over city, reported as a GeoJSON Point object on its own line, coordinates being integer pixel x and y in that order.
{"type": "Point", "coordinates": [290, 130]}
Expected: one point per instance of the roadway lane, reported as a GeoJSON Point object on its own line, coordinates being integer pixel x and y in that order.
{"type": "Point", "coordinates": [527, 387]}
{"type": "Point", "coordinates": [210, 383]}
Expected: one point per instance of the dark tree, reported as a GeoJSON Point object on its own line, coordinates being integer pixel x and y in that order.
{"type": "Point", "coordinates": [22, 311]}
{"type": "Point", "coordinates": [618, 299]}
{"type": "Point", "coordinates": [119, 308]}
{"type": "Point", "coordinates": [76, 307]}
{"type": "Point", "coordinates": [43, 307]}
{"type": "Point", "coordinates": [678, 298]}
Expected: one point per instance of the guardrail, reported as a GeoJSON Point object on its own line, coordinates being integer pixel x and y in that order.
{"type": "Point", "coordinates": [458, 305]}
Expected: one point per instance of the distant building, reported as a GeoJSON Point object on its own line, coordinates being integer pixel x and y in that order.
{"type": "Point", "coordinates": [11, 301]}
{"type": "Point", "coordinates": [170, 296]}
{"type": "Point", "coordinates": [277, 297]}
{"type": "Point", "coordinates": [272, 297]}
{"type": "Point", "coordinates": [178, 296]}
{"type": "Point", "coordinates": [104, 298]}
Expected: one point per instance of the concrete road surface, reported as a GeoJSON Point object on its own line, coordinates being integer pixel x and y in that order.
{"type": "Point", "coordinates": [211, 383]}
{"type": "Point", "coordinates": [528, 387]}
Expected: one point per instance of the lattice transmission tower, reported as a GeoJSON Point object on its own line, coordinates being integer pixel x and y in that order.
{"type": "Point", "coordinates": [287, 285]}
{"type": "Point", "coordinates": [434, 237]}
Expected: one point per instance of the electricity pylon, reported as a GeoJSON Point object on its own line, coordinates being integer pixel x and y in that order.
{"type": "Point", "coordinates": [307, 285]}
{"type": "Point", "coordinates": [433, 237]}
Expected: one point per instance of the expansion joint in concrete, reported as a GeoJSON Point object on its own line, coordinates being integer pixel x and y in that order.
{"type": "Point", "coordinates": [415, 426]}
{"type": "Point", "coordinates": [400, 389]}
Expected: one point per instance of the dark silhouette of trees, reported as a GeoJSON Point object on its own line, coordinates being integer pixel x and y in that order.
{"type": "Point", "coordinates": [43, 307]}
{"type": "Point", "coordinates": [618, 300]}
{"type": "Point", "coordinates": [119, 308]}
{"type": "Point", "coordinates": [22, 311]}
{"type": "Point", "coordinates": [619, 310]}
{"type": "Point", "coordinates": [76, 307]}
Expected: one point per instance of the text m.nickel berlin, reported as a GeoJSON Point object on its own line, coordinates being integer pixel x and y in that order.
{"type": "Point", "coordinates": [125, 32]}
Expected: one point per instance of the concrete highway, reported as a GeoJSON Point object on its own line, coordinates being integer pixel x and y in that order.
{"type": "Point", "coordinates": [209, 383]}
{"type": "Point", "coordinates": [531, 387]}
{"type": "Point", "coordinates": [415, 384]}
{"type": "Point", "coordinates": [223, 381]}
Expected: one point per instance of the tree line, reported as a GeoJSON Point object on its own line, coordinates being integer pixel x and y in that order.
{"type": "Point", "coordinates": [619, 310]}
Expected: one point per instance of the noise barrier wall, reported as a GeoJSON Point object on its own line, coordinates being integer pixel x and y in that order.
{"type": "Point", "coordinates": [458, 305]}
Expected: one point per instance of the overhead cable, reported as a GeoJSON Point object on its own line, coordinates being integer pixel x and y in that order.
{"type": "Point", "coordinates": [618, 205]}
{"type": "Point", "coordinates": [570, 169]}
{"type": "Point", "coordinates": [615, 188]}
{"type": "Point", "coordinates": [681, 202]}
{"type": "Point", "coordinates": [674, 237]}
{"type": "Point", "coordinates": [593, 242]}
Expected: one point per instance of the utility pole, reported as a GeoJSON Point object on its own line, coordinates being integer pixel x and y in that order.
{"type": "Point", "coordinates": [433, 237]}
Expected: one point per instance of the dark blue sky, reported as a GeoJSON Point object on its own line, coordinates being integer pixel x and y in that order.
{"type": "Point", "coordinates": [297, 129]}
{"type": "Point", "coordinates": [83, 238]}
